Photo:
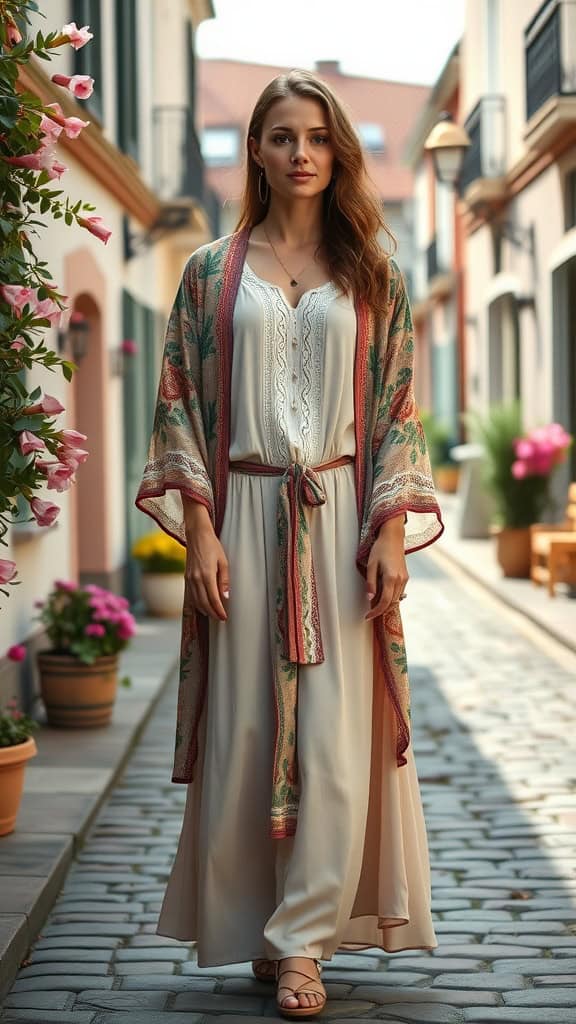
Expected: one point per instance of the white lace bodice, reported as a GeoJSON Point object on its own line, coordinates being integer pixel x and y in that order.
{"type": "Point", "coordinates": [292, 374]}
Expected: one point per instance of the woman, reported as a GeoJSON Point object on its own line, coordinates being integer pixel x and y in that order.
{"type": "Point", "coordinates": [289, 458]}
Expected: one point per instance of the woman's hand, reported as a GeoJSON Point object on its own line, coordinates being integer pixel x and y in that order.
{"type": "Point", "coordinates": [386, 567]}
{"type": "Point", "coordinates": [206, 562]}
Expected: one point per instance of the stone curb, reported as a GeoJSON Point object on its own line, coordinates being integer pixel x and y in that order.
{"type": "Point", "coordinates": [64, 788]}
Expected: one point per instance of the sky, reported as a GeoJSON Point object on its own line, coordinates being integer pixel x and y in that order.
{"type": "Point", "coordinates": [399, 40]}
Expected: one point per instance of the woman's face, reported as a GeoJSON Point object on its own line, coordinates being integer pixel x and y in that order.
{"type": "Point", "coordinates": [295, 139]}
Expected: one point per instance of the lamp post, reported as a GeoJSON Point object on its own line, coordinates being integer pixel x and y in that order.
{"type": "Point", "coordinates": [448, 143]}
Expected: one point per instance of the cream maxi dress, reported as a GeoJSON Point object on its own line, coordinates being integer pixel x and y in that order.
{"type": "Point", "coordinates": [239, 893]}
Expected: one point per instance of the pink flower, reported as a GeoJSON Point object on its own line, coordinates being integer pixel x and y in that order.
{"type": "Point", "coordinates": [50, 129]}
{"type": "Point", "coordinates": [129, 347]}
{"type": "Point", "coordinates": [45, 512]}
{"type": "Point", "coordinates": [55, 168]}
{"type": "Point", "coordinates": [66, 585]}
{"type": "Point", "coordinates": [72, 437]}
{"type": "Point", "coordinates": [18, 296]}
{"type": "Point", "coordinates": [95, 629]}
{"type": "Point", "coordinates": [95, 226]}
{"type": "Point", "coordinates": [72, 457]}
{"type": "Point", "coordinates": [47, 309]}
{"type": "Point", "coordinates": [29, 442]}
{"type": "Point", "coordinates": [42, 159]}
{"type": "Point", "coordinates": [524, 448]}
{"type": "Point", "coordinates": [16, 653]}
{"type": "Point", "coordinates": [39, 603]}
{"type": "Point", "coordinates": [59, 476]}
{"type": "Point", "coordinates": [49, 405]}
{"type": "Point", "coordinates": [13, 33]}
{"type": "Point", "coordinates": [519, 469]}
{"type": "Point", "coordinates": [18, 344]}
{"type": "Point", "coordinates": [7, 570]}
{"type": "Point", "coordinates": [73, 126]}
{"type": "Point", "coordinates": [77, 37]}
{"type": "Point", "coordinates": [81, 86]}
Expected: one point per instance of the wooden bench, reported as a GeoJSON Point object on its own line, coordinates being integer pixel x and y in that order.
{"type": "Point", "coordinates": [553, 549]}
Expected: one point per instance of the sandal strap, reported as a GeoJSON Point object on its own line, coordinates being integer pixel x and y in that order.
{"type": "Point", "coordinates": [303, 988]}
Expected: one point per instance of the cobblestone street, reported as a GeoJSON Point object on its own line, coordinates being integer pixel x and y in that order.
{"type": "Point", "coordinates": [494, 717]}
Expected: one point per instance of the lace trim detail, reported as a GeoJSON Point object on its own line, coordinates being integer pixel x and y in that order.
{"type": "Point", "coordinates": [411, 482]}
{"type": "Point", "coordinates": [313, 337]}
{"type": "Point", "coordinates": [308, 319]}
{"type": "Point", "coordinates": [177, 466]}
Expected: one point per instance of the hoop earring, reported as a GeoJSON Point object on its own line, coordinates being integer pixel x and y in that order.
{"type": "Point", "coordinates": [262, 178]}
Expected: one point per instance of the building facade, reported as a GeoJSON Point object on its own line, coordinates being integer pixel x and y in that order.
{"type": "Point", "coordinates": [139, 162]}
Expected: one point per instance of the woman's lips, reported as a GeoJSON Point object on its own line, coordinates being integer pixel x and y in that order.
{"type": "Point", "coordinates": [300, 177]}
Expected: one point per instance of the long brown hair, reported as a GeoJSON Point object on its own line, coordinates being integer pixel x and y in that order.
{"type": "Point", "coordinates": [352, 210]}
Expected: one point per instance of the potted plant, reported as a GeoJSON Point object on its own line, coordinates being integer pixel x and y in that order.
{"type": "Point", "coordinates": [439, 442]}
{"type": "Point", "coordinates": [17, 746]}
{"type": "Point", "coordinates": [518, 468]}
{"type": "Point", "coordinates": [163, 561]}
{"type": "Point", "coordinates": [87, 626]}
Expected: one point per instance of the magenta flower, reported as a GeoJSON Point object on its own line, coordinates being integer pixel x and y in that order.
{"type": "Point", "coordinates": [45, 512]}
{"type": "Point", "coordinates": [16, 653]}
{"type": "Point", "coordinates": [96, 226]}
{"type": "Point", "coordinates": [67, 585]}
{"type": "Point", "coordinates": [29, 442]}
{"type": "Point", "coordinates": [18, 344]}
{"type": "Point", "coordinates": [519, 469]}
{"type": "Point", "coordinates": [7, 570]}
{"type": "Point", "coordinates": [129, 347]}
{"type": "Point", "coordinates": [81, 86]}
{"type": "Point", "coordinates": [77, 37]}
{"type": "Point", "coordinates": [94, 629]}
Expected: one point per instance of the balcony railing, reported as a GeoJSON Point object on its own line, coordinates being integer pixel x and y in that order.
{"type": "Point", "coordinates": [550, 50]}
{"type": "Point", "coordinates": [178, 166]}
{"type": "Point", "coordinates": [179, 171]}
{"type": "Point", "coordinates": [486, 155]}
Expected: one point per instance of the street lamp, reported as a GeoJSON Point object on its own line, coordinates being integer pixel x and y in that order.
{"type": "Point", "coordinates": [448, 143]}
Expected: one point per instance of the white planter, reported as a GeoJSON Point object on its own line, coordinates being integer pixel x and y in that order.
{"type": "Point", "coordinates": [163, 593]}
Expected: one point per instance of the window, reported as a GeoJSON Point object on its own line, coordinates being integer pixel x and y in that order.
{"type": "Point", "coordinates": [88, 60]}
{"type": "Point", "coordinates": [372, 137]}
{"type": "Point", "coordinates": [220, 146]}
{"type": "Point", "coordinates": [127, 76]}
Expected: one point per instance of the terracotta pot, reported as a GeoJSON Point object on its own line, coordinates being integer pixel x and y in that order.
{"type": "Point", "coordinates": [76, 695]}
{"type": "Point", "coordinates": [12, 767]}
{"type": "Point", "coordinates": [446, 478]}
{"type": "Point", "coordinates": [513, 550]}
{"type": "Point", "coordinates": [163, 593]}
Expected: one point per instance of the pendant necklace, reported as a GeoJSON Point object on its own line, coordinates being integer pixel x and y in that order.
{"type": "Point", "coordinates": [293, 280]}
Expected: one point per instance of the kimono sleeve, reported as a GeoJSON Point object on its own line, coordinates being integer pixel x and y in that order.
{"type": "Point", "coordinates": [177, 456]}
{"type": "Point", "coordinates": [401, 472]}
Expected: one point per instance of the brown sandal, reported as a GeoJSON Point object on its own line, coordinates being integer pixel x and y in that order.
{"type": "Point", "coordinates": [264, 970]}
{"type": "Point", "coordinates": [311, 986]}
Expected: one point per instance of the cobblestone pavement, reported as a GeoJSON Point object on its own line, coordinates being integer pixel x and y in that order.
{"type": "Point", "coordinates": [494, 717]}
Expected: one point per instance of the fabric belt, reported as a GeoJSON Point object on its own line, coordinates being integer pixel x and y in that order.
{"type": "Point", "coordinates": [298, 617]}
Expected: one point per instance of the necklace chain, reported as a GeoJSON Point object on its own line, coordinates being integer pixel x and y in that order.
{"type": "Point", "coordinates": [293, 280]}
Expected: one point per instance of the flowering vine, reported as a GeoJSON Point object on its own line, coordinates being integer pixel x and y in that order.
{"type": "Point", "coordinates": [34, 452]}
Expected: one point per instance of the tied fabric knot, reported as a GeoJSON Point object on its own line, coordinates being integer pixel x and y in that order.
{"type": "Point", "coordinates": [297, 600]}
{"type": "Point", "coordinates": [297, 640]}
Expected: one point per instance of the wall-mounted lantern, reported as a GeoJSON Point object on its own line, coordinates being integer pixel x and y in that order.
{"type": "Point", "coordinates": [448, 143]}
{"type": "Point", "coordinates": [75, 337]}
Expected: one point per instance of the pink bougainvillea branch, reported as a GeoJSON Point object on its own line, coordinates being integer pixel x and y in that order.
{"type": "Point", "coordinates": [38, 454]}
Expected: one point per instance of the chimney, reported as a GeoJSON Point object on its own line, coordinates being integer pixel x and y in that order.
{"type": "Point", "coordinates": [328, 67]}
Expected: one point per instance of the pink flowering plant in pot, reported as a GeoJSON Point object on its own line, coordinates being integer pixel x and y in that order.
{"type": "Point", "coordinates": [34, 452]}
{"type": "Point", "coordinates": [17, 746]}
{"type": "Point", "coordinates": [87, 622]}
{"type": "Point", "coordinates": [518, 465]}
{"type": "Point", "coordinates": [87, 626]}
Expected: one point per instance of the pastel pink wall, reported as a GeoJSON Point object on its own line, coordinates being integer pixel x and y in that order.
{"type": "Point", "coordinates": [86, 287]}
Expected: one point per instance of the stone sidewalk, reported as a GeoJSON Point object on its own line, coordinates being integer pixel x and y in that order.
{"type": "Point", "coordinates": [494, 720]}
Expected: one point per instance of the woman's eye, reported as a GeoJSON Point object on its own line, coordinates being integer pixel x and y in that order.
{"type": "Point", "coordinates": [278, 138]}
{"type": "Point", "coordinates": [321, 138]}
